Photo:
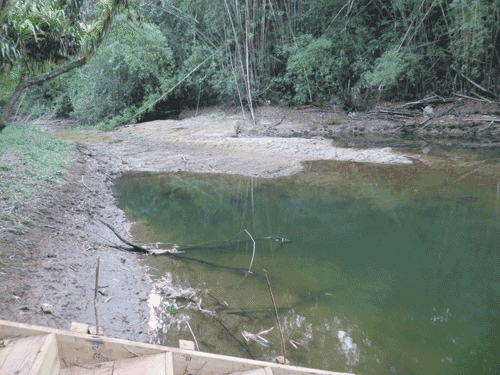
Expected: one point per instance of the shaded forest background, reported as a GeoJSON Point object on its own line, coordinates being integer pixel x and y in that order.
{"type": "Point", "coordinates": [161, 56]}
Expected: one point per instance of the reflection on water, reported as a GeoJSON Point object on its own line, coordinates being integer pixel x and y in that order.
{"type": "Point", "coordinates": [374, 269]}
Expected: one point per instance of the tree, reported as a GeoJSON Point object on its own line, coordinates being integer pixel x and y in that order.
{"type": "Point", "coordinates": [37, 35]}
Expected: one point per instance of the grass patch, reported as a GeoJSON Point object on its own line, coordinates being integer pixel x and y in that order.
{"type": "Point", "coordinates": [29, 160]}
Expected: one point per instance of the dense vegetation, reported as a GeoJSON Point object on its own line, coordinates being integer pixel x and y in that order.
{"type": "Point", "coordinates": [161, 55]}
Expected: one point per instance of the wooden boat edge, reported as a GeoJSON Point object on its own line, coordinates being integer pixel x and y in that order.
{"type": "Point", "coordinates": [77, 349]}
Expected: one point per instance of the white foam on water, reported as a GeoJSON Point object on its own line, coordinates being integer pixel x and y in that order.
{"type": "Point", "coordinates": [349, 348]}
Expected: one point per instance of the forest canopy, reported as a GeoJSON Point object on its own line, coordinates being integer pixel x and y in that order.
{"type": "Point", "coordinates": [162, 55]}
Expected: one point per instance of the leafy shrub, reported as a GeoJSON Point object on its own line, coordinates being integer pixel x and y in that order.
{"type": "Point", "coordinates": [312, 70]}
{"type": "Point", "coordinates": [52, 97]}
{"type": "Point", "coordinates": [135, 65]}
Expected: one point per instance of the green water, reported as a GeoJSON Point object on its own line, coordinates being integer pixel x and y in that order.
{"type": "Point", "coordinates": [392, 269]}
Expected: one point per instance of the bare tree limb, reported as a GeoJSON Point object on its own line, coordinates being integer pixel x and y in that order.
{"type": "Point", "coordinates": [135, 246]}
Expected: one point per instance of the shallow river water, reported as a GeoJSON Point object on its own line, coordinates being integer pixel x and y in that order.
{"type": "Point", "coordinates": [374, 269]}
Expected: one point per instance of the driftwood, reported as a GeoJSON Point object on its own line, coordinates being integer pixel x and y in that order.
{"type": "Point", "coordinates": [411, 109]}
{"type": "Point", "coordinates": [435, 99]}
{"type": "Point", "coordinates": [174, 251]}
{"type": "Point", "coordinates": [139, 248]}
{"type": "Point", "coordinates": [393, 114]}
{"type": "Point", "coordinates": [124, 240]}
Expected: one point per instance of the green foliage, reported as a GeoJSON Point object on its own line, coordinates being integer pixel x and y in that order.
{"type": "Point", "coordinates": [52, 98]}
{"type": "Point", "coordinates": [9, 83]}
{"type": "Point", "coordinates": [196, 29]}
{"type": "Point", "coordinates": [298, 52]}
{"type": "Point", "coordinates": [35, 158]}
{"type": "Point", "coordinates": [312, 70]}
{"type": "Point", "coordinates": [36, 32]}
{"type": "Point", "coordinates": [388, 69]}
{"type": "Point", "coordinates": [468, 35]}
{"type": "Point", "coordinates": [134, 65]}
{"type": "Point", "coordinates": [170, 308]}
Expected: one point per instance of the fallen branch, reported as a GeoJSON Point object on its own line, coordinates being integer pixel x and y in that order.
{"type": "Point", "coordinates": [278, 123]}
{"type": "Point", "coordinates": [449, 110]}
{"type": "Point", "coordinates": [477, 100]}
{"type": "Point", "coordinates": [475, 84]}
{"type": "Point", "coordinates": [435, 99]}
{"type": "Point", "coordinates": [134, 246]}
{"type": "Point", "coordinates": [425, 122]}
{"type": "Point", "coordinates": [86, 185]}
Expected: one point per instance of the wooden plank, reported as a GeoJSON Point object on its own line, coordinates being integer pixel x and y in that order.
{"type": "Point", "coordinates": [105, 368]}
{"type": "Point", "coordinates": [47, 360]}
{"type": "Point", "coordinates": [186, 344]}
{"type": "Point", "coordinates": [79, 327]}
{"type": "Point", "coordinates": [259, 371]}
{"type": "Point", "coordinates": [77, 349]}
{"type": "Point", "coordinates": [21, 357]}
{"type": "Point", "coordinates": [4, 352]}
{"type": "Point", "coordinates": [169, 363]}
{"type": "Point", "coordinates": [146, 365]}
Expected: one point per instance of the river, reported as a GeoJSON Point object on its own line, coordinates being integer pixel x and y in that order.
{"type": "Point", "coordinates": [374, 269]}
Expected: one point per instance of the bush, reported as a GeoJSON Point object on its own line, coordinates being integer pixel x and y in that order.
{"type": "Point", "coordinates": [312, 70]}
{"type": "Point", "coordinates": [134, 65]}
{"type": "Point", "coordinates": [52, 97]}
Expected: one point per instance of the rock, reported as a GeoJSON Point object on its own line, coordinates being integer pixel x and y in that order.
{"type": "Point", "coordinates": [242, 128]}
{"type": "Point", "coordinates": [47, 308]}
{"type": "Point", "coordinates": [429, 111]}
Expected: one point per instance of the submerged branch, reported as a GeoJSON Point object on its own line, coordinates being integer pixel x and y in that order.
{"type": "Point", "coordinates": [253, 254]}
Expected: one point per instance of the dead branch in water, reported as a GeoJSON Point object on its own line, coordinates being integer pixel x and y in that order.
{"type": "Point", "coordinates": [253, 255]}
{"type": "Point", "coordinates": [139, 248]}
{"type": "Point", "coordinates": [134, 246]}
{"type": "Point", "coordinates": [257, 337]}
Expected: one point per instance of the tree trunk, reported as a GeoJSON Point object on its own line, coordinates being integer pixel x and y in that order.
{"type": "Point", "coordinates": [24, 83]}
